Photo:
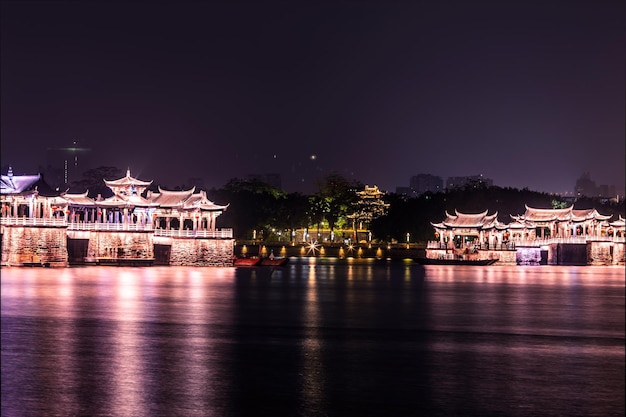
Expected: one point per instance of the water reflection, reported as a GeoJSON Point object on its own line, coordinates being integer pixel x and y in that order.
{"type": "Point", "coordinates": [350, 337]}
{"type": "Point", "coordinates": [312, 373]}
{"type": "Point", "coordinates": [126, 363]}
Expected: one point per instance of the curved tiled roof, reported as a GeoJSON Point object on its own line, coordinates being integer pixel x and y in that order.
{"type": "Point", "coordinates": [17, 184]}
{"type": "Point", "coordinates": [166, 198]}
{"type": "Point", "coordinates": [78, 199]}
{"type": "Point", "coordinates": [126, 181]}
{"type": "Point", "coordinates": [467, 220]}
{"type": "Point", "coordinates": [588, 214]}
{"type": "Point", "coordinates": [200, 200]}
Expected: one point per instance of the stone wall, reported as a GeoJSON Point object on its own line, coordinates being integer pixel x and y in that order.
{"type": "Point", "coordinates": [202, 252]}
{"type": "Point", "coordinates": [605, 253]}
{"type": "Point", "coordinates": [619, 257]}
{"type": "Point", "coordinates": [121, 245]}
{"type": "Point", "coordinates": [34, 246]}
{"type": "Point", "coordinates": [504, 257]}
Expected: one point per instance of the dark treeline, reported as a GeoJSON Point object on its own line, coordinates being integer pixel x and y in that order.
{"type": "Point", "coordinates": [256, 206]}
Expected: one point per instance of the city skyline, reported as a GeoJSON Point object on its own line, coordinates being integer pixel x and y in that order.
{"type": "Point", "coordinates": [529, 95]}
{"type": "Point", "coordinates": [276, 181]}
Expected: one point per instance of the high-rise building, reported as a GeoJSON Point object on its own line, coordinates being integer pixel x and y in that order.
{"type": "Point", "coordinates": [585, 186]}
{"type": "Point", "coordinates": [460, 182]}
{"type": "Point", "coordinates": [423, 183]}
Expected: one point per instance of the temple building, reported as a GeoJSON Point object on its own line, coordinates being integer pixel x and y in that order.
{"type": "Point", "coordinates": [133, 216]}
{"type": "Point", "coordinates": [462, 229]}
{"type": "Point", "coordinates": [567, 222]}
{"type": "Point", "coordinates": [583, 235]}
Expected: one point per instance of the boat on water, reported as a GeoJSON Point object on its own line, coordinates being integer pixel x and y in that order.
{"type": "Point", "coordinates": [457, 261]}
{"type": "Point", "coordinates": [252, 261]}
{"type": "Point", "coordinates": [274, 261]}
{"type": "Point", "coordinates": [255, 261]}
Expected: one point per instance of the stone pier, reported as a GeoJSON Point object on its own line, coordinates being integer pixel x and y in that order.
{"type": "Point", "coordinates": [34, 246]}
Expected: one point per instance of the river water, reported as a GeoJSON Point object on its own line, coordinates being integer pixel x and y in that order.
{"type": "Point", "coordinates": [314, 338]}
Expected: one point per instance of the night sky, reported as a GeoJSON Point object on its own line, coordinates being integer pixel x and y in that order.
{"type": "Point", "coordinates": [529, 94]}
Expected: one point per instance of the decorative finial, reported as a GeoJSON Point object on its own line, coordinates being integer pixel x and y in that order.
{"type": "Point", "coordinates": [10, 173]}
{"type": "Point", "coordinates": [128, 172]}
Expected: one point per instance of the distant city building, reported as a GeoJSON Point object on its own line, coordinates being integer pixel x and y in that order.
{"type": "Point", "coordinates": [272, 179]}
{"type": "Point", "coordinates": [404, 191]}
{"type": "Point", "coordinates": [423, 183]}
{"type": "Point", "coordinates": [460, 182]}
{"type": "Point", "coordinates": [586, 187]}
{"type": "Point", "coordinates": [607, 190]}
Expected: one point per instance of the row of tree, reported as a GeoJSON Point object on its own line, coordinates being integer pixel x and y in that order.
{"type": "Point", "coordinates": [256, 206]}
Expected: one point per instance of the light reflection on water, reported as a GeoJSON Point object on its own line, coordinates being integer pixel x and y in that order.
{"type": "Point", "coordinates": [316, 337]}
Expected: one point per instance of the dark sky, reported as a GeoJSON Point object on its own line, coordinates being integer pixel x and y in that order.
{"type": "Point", "coordinates": [529, 94]}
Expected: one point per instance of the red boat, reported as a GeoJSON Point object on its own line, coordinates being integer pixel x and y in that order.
{"type": "Point", "coordinates": [253, 261]}
{"type": "Point", "coordinates": [274, 261]}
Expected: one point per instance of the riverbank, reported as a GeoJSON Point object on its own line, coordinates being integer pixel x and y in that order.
{"type": "Point", "coordinates": [329, 250]}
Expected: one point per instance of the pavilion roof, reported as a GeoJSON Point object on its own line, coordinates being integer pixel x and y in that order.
{"type": "Point", "coordinates": [126, 181]}
{"type": "Point", "coordinates": [520, 224]}
{"type": "Point", "coordinates": [17, 184]}
{"type": "Point", "coordinates": [200, 200]}
{"type": "Point", "coordinates": [113, 202]}
{"type": "Point", "coordinates": [372, 192]}
{"type": "Point", "coordinates": [588, 214]}
{"type": "Point", "coordinates": [467, 220]}
{"type": "Point", "coordinates": [619, 222]}
{"type": "Point", "coordinates": [25, 185]}
{"type": "Point", "coordinates": [119, 201]}
{"type": "Point", "coordinates": [78, 199]}
{"type": "Point", "coordinates": [545, 215]}
{"type": "Point", "coordinates": [166, 198]}
{"type": "Point", "coordinates": [564, 214]}
{"type": "Point", "coordinates": [58, 201]}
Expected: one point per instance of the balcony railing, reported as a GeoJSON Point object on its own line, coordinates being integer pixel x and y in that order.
{"type": "Point", "coordinates": [139, 227]}
{"type": "Point", "coordinates": [28, 221]}
{"type": "Point", "coordinates": [110, 226]}
{"type": "Point", "coordinates": [511, 245]}
{"type": "Point", "coordinates": [499, 246]}
{"type": "Point", "coordinates": [210, 234]}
